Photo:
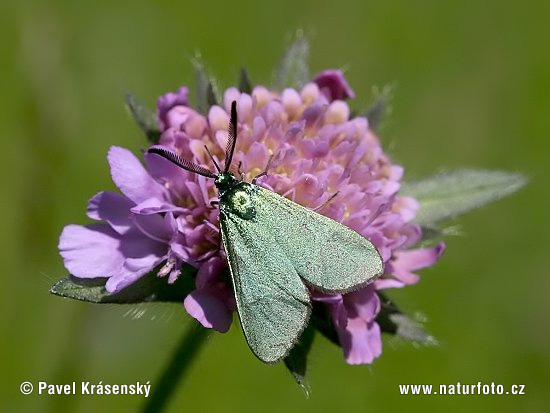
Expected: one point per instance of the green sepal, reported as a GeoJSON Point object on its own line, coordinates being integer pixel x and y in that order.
{"type": "Point", "coordinates": [245, 84]}
{"type": "Point", "coordinates": [451, 194]}
{"type": "Point", "coordinates": [432, 234]}
{"type": "Point", "coordinates": [207, 90]}
{"type": "Point", "coordinates": [392, 321]}
{"type": "Point", "coordinates": [293, 70]}
{"type": "Point", "coordinates": [296, 361]}
{"type": "Point", "coordinates": [381, 106]}
{"type": "Point", "coordinates": [147, 289]}
{"type": "Point", "coordinates": [321, 320]}
{"type": "Point", "coordinates": [144, 117]}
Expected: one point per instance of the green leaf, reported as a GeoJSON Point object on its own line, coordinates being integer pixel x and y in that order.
{"type": "Point", "coordinates": [379, 108]}
{"type": "Point", "coordinates": [410, 330]}
{"type": "Point", "coordinates": [245, 85]}
{"type": "Point", "coordinates": [431, 233]}
{"type": "Point", "coordinates": [321, 320]}
{"type": "Point", "coordinates": [145, 118]}
{"type": "Point", "coordinates": [293, 70]}
{"type": "Point", "coordinates": [148, 288]}
{"type": "Point", "coordinates": [296, 361]}
{"type": "Point", "coordinates": [451, 194]}
{"type": "Point", "coordinates": [207, 91]}
{"type": "Point", "coordinates": [392, 321]}
{"type": "Point", "coordinates": [212, 95]}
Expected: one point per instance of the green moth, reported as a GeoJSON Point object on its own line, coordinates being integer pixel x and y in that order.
{"type": "Point", "coordinates": [275, 249]}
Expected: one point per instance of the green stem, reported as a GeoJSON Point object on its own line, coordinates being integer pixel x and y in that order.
{"type": "Point", "coordinates": [186, 352]}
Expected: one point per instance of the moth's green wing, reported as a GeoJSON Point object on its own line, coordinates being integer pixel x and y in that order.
{"type": "Point", "coordinates": [272, 301]}
{"type": "Point", "coordinates": [325, 253]}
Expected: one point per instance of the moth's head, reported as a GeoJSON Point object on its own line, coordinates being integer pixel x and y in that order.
{"type": "Point", "coordinates": [224, 181]}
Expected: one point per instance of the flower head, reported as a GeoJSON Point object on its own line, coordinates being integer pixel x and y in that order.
{"type": "Point", "coordinates": [318, 150]}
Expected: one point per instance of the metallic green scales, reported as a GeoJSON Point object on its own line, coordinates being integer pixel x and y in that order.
{"type": "Point", "coordinates": [274, 247]}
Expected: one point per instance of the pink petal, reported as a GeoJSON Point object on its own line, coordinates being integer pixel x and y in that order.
{"type": "Point", "coordinates": [164, 170]}
{"type": "Point", "coordinates": [178, 247]}
{"type": "Point", "coordinates": [208, 310]}
{"type": "Point", "coordinates": [361, 341]}
{"type": "Point", "coordinates": [326, 298]}
{"type": "Point", "coordinates": [125, 278]}
{"type": "Point", "coordinates": [405, 262]}
{"type": "Point", "coordinates": [257, 156]}
{"type": "Point", "coordinates": [419, 258]}
{"type": "Point", "coordinates": [155, 226]}
{"type": "Point", "coordinates": [168, 101]}
{"type": "Point", "coordinates": [136, 245]}
{"type": "Point", "coordinates": [141, 254]}
{"type": "Point", "coordinates": [383, 283]}
{"type": "Point", "coordinates": [177, 116]}
{"type": "Point", "coordinates": [209, 271]}
{"type": "Point", "coordinates": [155, 206]}
{"type": "Point", "coordinates": [131, 177]}
{"type": "Point", "coordinates": [113, 208]}
{"type": "Point", "coordinates": [92, 251]}
{"type": "Point", "coordinates": [363, 303]}
{"type": "Point", "coordinates": [334, 85]}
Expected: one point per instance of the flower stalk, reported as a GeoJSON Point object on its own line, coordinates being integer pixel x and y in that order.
{"type": "Point", "coordinates": [174, 372]}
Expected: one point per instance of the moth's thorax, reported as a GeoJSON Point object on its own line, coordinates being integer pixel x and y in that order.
{"type": "Point", "coordinates": [225, 181]}
{"type": "Point", "coordinates": [239, 200]}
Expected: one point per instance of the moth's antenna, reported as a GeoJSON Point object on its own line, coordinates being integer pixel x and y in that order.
{"type": "Point", "coordinates": [179, 161]}
{"type": "Point", "coordinates": [213, 160]}
{"type": "Point", "coordinates": [232, 139]}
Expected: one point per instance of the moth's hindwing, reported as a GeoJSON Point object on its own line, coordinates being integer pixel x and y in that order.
{"type": "Point", "coordinates": [272, 244]}
{"type": "Point", "coordinates": [325, 253]}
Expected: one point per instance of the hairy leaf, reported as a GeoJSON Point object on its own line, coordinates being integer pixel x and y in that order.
{"type": "Point", "coordinates": [393, 321]}
{"type": "Point", "coordinates": [145, 118]}
{"type": "Point", "coordinates": [296, 361]}
{"type": "Point", "coordinates": [245, 85]}
{"type": "Point", "coordinates": [148, 288]}
{"type": "Point", "coordinates": [381, 106]}
{"type": "Point", "coordinates": [293, 70]}
{"type": "Point", "coordinates": [207, 92]}
{"type": "Point", "coordinates": [451, 194]}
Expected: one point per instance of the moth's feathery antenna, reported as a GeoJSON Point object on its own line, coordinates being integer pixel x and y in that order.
{"type": "Point", "coordinates": [182, 163]}
{"type": "Point", "coordinates": [326, 202]}
{"type": "Point", "coordinates": [213, 160]}
{"type": "Point", "coordinates": [232, 138]}
{"type": "Point", "coordinates": [264, 173]}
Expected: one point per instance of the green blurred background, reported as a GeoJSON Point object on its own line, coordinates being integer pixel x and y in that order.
{"type": "Point", "coordinates": [472, 89]}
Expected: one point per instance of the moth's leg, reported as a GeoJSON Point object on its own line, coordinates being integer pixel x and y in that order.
{"type": "Point", "coordinates": [213, 252]}
{"type": "Point", "coordinates": [326, 202]}
{"type": "Point", "coordinates": [208, 256]}
{"type": "Point", "coordinates": [241, 173]}
{"type": "Point", "coordinates": [264, 173]}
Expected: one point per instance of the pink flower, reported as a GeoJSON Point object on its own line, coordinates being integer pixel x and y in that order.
{"type": "Point", "coordinates": [334, 85]}
{"type": "Point", "coordinates": [165, 213]}
{"type": "Point", "coordinates": [139, 230]}
{"type": "Point", "coordinates": [169, 101]}
{"type": "Point", "coordinates": [318, 151]}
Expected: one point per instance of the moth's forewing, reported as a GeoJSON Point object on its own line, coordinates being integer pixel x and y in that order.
{"type": "Point", "coordinates": [325, 253]}
{"type": "Point", "coordinates": [272, 301]}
